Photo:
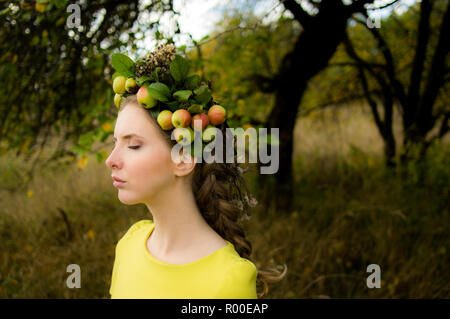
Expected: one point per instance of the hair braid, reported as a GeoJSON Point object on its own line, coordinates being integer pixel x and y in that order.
{"type": "Point", "coordinates": [216, 203]}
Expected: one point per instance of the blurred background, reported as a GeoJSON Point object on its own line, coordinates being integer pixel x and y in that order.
{"type": "Point", "coordinates": [359, 90]}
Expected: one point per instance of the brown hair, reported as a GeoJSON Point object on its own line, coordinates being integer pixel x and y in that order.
{"type": "Point", "coordinates": [222, 196]}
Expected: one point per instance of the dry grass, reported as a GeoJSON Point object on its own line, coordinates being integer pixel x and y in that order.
{"type": "Point", "coordinates": [349, 213]}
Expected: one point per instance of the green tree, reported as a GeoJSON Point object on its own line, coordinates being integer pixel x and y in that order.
{"type": "Point", "coordinates": [57, 78]}
{"type": "Point", "coordinates": [322, 30]}
{"type": "Point", "coordinates": [394, 65]}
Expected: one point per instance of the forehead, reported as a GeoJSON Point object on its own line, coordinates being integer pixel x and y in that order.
{"type": "Point", "coordinates": [133, 121]}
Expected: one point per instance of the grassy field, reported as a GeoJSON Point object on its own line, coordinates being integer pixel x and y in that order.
{"type": "Point", "coordinates": [349, 212]}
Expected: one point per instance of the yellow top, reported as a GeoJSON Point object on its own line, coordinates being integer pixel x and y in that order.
{"type": "Point", "coordinates": [137, 274]}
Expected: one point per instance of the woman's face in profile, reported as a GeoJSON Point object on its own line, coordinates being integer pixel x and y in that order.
{"type": "Point", "coordinates": [143, 160]}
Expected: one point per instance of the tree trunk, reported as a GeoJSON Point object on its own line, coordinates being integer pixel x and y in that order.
{"type": "Point", "coordinates": [314, 48]}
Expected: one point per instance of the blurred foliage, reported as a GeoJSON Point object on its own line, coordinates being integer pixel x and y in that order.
{"type": "Point", "coordinates": [56, 79]}
{"type": "Point", "coordinates": [246, 47]}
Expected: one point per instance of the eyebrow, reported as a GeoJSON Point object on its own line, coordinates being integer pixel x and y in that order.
{"type": "Point", "coordinates": [128, 136]}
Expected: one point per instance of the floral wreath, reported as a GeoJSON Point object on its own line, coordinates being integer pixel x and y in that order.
{"type": "Point", "coordinates": [173, 97]}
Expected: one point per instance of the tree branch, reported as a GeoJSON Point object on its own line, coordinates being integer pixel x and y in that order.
{"type": "Point", "coordinates": [383, 6]}
{"type": "Point", "coordinates": [299, 14]}
{"type": "Point", "coordinates": [357, 6]}
{"type": "Point", "coordinates": [390, 70]}
{"type": "Point", "coordinates": [345, 99]}
{"type": "Point", "coordinates": [419, 57]}
{"type": "Point", "coordinates": [437, 71]}
{"type": "Point", "coordinates": [264, 83]}
{"type": "Point", "coordinates": [361, 64]}
{"type": "Point", "coordinates": [444, 126]}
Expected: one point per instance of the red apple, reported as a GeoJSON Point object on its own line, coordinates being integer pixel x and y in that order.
{"type": "Point", "coordinates": [165, 120]}
{"type": "Point", "coordinates": [202, 117]}
{"type": "Point", "coordinates": [145, 99]}
{"type": "Point", "coordinates": [181, 118]}
{"type": "Point", "coordinates": [216, 114]}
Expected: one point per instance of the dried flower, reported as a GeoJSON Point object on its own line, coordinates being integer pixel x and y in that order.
{"type": "Point", "coordinates": [160, 57]}
{"type": "Point", "coordinates": [243, 170]}
{"type": "Point", "coordinates": [251, 201]}
{"type": "Point", "coordinates": [238, 204]}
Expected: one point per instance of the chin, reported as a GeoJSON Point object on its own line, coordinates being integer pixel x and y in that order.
{"type": "Point", "coordinates": [128, 200]}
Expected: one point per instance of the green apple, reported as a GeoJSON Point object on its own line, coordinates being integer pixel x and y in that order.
{"type": "Point", "coordinates": [165, 120]}
{"type": "Point", "coordinates": [181, 118]}
{"type": "Point", "coordinates": [131, 86]}
{"type": "Point", "coordinates": [119, 84]}
{"type": "Point", "coordinates": [183, 135]}
{"type": "Point", "coordinates": [117, 99]}
{"type": "Point", "coordinates": [216, 114]}
{"type": "Point", "coordinates": [144, 98]}
{"type": "Point", "coordinates": [209, 133]}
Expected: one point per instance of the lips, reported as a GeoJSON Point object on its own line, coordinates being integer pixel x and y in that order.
{"type": "Point", "coordinates": [117, 179]}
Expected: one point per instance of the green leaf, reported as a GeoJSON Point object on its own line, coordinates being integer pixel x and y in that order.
{"type": "Point", "coordinates": [86, 139]}
{"type": "Point", "coordinates": [196, 108]}
{"type": "Point", "coordinates": [59, 3]}
{"type": "Point", "coordinates": [104, 136]}
{"type": "Point", "coordinates": [203, 94]}
{"type": "Point", "coordinates": [232, 123]}
{"type": "Point", "coordinates": [192, 81]}
{"type": "Point", "coordinates": [182, 95]}
{"type": "Point", "coordinates": [201, 89]}
{"type": "Point", "coordinates": [123, 64]}
{"type": "Point", "coordinates": [173, 105]}
{"type": "Point", "coordinates": [204, 38]}
{"type": "Point", "coordinates": [140, 81]}
{"type": "Point", "coordinates": [78, 150]}
{"type": "Point", "coordinates": [100, 157]}
{"type": "Point", "coordinates": [155, 74]}
{"type": "Point", "coordinates": [159, 91]}
{"type": "Point", "coordinates": [5, 11]}
{"type": "Point", "coordinates": [155, 112]}
{"type": "Point", "coordinates": [179, 68]}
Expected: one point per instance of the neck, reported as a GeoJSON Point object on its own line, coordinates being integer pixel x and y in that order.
{"type": "Point", "coordinates": [178, 222]}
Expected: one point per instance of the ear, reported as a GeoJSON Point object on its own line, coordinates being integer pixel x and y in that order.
{"type": "Point", "coordinates": [185, 166]}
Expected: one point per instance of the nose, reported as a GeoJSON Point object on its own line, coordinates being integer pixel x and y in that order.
{"type": "Point", "coordinates": [113, 161]}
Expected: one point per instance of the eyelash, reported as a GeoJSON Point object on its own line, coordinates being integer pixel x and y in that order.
{"type": "Point", "coordinates": [134, 147]}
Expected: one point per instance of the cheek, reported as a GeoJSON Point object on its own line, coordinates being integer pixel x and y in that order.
{"type": "Point", "coordinates": [151, 169]}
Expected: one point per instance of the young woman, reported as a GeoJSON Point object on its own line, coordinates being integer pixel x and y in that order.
{"type": "Point", "coordinates": [194, 245]}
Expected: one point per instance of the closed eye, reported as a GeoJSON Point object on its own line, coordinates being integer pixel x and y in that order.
{"type": "Point", "coordinates": [134, 147]}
